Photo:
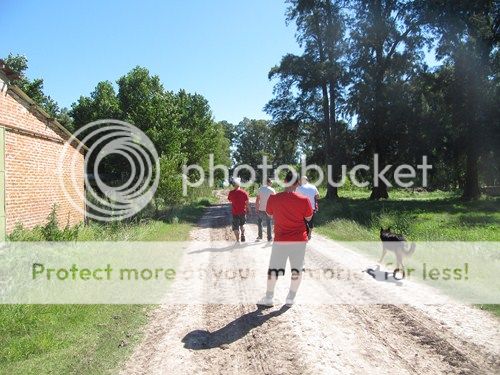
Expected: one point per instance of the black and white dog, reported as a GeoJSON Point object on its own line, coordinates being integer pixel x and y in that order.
{"type": "Point", "coordinates": [397, 244]}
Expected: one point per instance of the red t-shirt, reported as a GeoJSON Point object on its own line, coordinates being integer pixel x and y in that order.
{"type": "Point", "coordinates": [238, 199]}
{"type": "Point", "coordinates": [289, 211]}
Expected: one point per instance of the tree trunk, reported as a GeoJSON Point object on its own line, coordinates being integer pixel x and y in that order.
{"type": "Point", "coordinates": [380, 191]}
{"type": "Point", "coordinates": [379, 115]}
{"type": "Point", "coordinates": [471, 186]}
{"type": "Point", "coordinates": [331, 191]}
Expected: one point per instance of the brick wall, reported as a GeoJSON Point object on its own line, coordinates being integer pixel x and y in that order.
{"type": "Point", "coordinates": [33, 180]}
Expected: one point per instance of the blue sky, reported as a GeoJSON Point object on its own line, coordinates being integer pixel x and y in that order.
{"type": "Point", "coordinates": [222, 49]}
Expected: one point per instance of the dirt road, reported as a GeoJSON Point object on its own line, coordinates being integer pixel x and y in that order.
{"type": "Point", "coordinates": [308, 338]}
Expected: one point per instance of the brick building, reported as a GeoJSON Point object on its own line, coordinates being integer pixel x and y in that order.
{"type": "Point", "coordinates": [30, 147]}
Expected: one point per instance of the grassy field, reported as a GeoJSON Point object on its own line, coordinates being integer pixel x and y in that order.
{"type": "Point", "coordinates": [425, 216]}
{"type": "Point", "coordinates": [80, 339]}
{"type": "Point", "coordinates": [435, 216]}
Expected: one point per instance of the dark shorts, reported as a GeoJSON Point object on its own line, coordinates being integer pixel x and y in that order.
{"type": "Point", "coordinates": [281, 252]}
{"type": "Point", "coordinates": [238, 221]}
{"type": "Point", "coordinates": [310, 223]}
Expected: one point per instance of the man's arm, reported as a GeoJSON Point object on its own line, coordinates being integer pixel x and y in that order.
{"type": "Point", "coordinates": [247, 205]}
{"type": "Point", "coordinates": [316, 202]}
{"type": "Point", "coordinates": [257, 202]}
{"type": "Point", "coordinates": [269, 208]}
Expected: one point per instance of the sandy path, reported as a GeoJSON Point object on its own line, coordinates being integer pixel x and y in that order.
{"type": "Point", "coordinates": [307, 338]}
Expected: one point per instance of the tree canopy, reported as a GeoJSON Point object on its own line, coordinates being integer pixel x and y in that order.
{"type": "Point", "coordinates": [362, 86]}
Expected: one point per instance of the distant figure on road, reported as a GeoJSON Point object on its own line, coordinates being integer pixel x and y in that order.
{"type": "Point", "coordinates": [239, 208]}
{"type": "Point", "coordinates": [311, 192]}
{"type": "Point", "coordinates": [263, 195]}
{"type": "Point", "coordinates": [288, 210]}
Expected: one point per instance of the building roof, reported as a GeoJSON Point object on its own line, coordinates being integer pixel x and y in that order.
{"type": "Point", "coordinates": [12, 75]}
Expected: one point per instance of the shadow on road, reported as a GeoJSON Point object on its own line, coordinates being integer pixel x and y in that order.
{"type": "Point", "coordinates": [233, 331]}
{"type": "Point", "coordinates": [233, 247]}
{"type": "Point", "coordinates": [383, 276]}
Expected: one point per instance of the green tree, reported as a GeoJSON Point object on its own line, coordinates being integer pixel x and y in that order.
{"type": "Point", "coordinates": [146, 104]}
{"type": "Point", "coordinates": [386, 45]}
{"type": "Point", "coordinates": [285, 140]}
{"type": "Point", "coordinates": [33, 88]}
{"type": "Point", "coordinates": [101, 104]}
{"type": "Point", "coordinates": [198, 128]}
{"type": "Point", "coordinates": [253, 141]}
{"type": "Point", "coordinates": [180, 125]}
{"type": "Point", "coordinates": [468, 34]}
{"type": "Point", "coordinates": [310, 86]}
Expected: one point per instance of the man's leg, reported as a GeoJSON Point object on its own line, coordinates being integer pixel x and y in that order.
{"type": "Point", "coordinates": [236, 228]}
{"type": "Point", "coordinates": [310, 224]}
{"type": "Point", "coordinates": [295, 281]}
{"type": "Point", "coordinates": [272, 277]}
{"type": "Point", "coordinates": [296, 252]}
{"type": "Point", "coordinates": [259, 225]}
{"type": "Point", "coordinates": [242, 230]}
{"type": "Point", "coordinates": [269, 228]}
{"type": "Point", "coordinates": [242, 227]}
{"type": "Point", "coordinates": [277, 264]}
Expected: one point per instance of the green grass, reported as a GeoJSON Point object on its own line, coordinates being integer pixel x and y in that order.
{"type": "Point", "coordinates": [420, 216]}
{"type": "Point", "coordinates": [436, 216]}
{"type": "Point", "coordinates": [172, 224]}
{"type": "Point", "coordinates": [83, 339]}
{"type": "Point", "coordinates": [61, 339]}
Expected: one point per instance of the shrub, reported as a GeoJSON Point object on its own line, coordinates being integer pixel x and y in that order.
{"type": "Point", "coordinates": [49, 232]}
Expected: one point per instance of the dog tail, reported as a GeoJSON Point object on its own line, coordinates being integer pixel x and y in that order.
{"type": "Point", "coordinates": [413, 247]}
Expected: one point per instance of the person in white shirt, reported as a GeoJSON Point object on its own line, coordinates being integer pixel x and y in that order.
{"type": "Point", "coordinates": [263, 195]}
{"type": "Point", "coordinates": [311, 192]}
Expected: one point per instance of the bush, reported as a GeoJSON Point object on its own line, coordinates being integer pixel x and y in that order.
{"type": "Point", "coordinates": [48, 232]}
{"type": "Point", "coordinates": [170, 185]}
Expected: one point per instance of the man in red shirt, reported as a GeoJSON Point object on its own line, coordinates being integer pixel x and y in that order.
{"type": "Point", "coordinates": [239, 207]}
{"type": "Point", "coordinates": [288, 210]}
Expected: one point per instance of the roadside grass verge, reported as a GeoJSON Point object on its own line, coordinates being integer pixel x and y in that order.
{"type": "Point", "coordinates": [172, 224]}
{"type": "Point", "coordinates": [80, 339]}
{"type": "Point", "coordinates": [63, 339]}
{"type": "Point", "coordinates": [420, 216]}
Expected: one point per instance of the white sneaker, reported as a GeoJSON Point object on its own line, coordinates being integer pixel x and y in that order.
{"type": "Point", "coordinates": [266, 301]}
{"type": "Point", "coordinates": [290, 301]}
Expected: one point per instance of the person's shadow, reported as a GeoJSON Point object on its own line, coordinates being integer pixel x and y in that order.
{"type": "Point", "coordinates": [232, 247]}
{"type": "Point", "coordinates": [231, 332]}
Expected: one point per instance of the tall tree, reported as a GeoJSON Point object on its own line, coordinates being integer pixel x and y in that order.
{"type": "Point", "coordinates": [468, 35]}
{"type": "Point", "coordinates": [386, 41]}
{"type": "Point", "coordinates": [180, 125]}
{"type": "Point", "coordinates": [310, 87]}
